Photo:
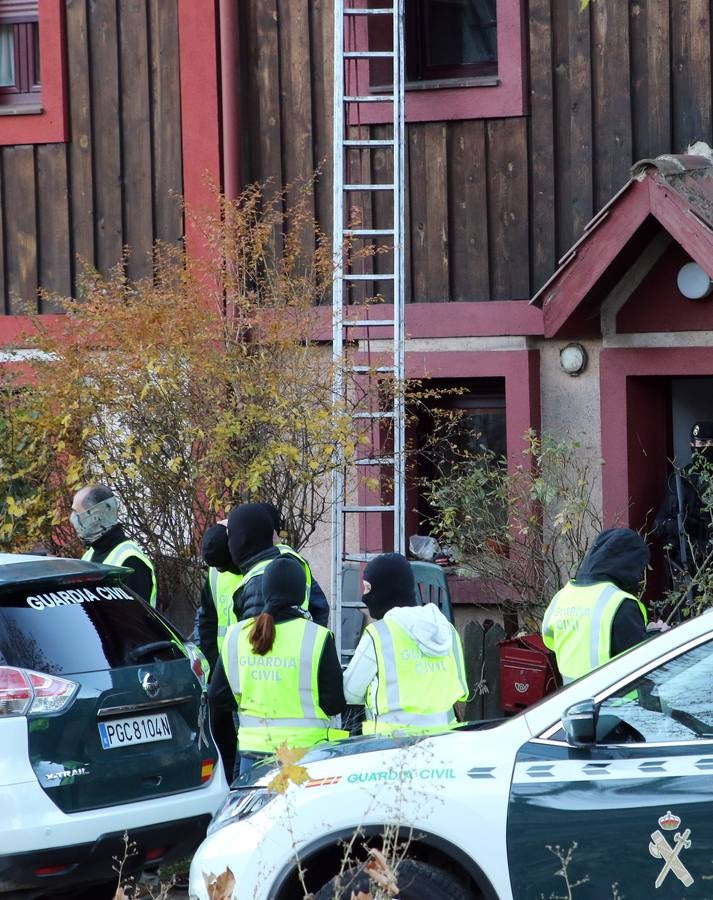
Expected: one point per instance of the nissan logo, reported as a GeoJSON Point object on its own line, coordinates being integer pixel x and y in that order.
{"type": "Point", "coordinates": [151, 685]}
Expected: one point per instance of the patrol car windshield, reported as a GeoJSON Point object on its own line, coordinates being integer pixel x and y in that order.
{"type": "Point", "coordinates": [79, 628]}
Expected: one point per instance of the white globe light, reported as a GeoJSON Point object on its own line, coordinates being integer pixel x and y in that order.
{"type": "Point", "coordinates": [693, 281]}
{"type": "Point", "coordinates": [573, 359]}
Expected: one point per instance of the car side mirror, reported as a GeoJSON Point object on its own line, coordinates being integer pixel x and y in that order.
{"type": "Point", "coordinates": [580, 723]}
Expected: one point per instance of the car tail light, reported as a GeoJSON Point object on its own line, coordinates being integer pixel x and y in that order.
{"type": "Point", "coordinates": [199, 663]}
{"type": "Point", "coordinates": [26, 693]}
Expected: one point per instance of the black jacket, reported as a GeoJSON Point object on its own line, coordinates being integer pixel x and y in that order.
{"type": "Point", "coordinates": [140, 579]}
{"type": "Point", "coordinates": [222, 700]}
{"type": "Point", "coordinates": [697, 525]}
{"type": "Point", "coordinates": [619, 556]}
{"type": "Point", "coordinates": [248, 600]}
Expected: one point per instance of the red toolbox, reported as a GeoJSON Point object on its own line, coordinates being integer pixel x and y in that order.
{"type": "Point", "coordinates": [528, 672]}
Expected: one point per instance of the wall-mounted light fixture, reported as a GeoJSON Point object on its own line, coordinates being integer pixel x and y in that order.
{"type": "Point", "coordinates": [573, 359]}
{"type": "Point", "coordinates": [694, 282]}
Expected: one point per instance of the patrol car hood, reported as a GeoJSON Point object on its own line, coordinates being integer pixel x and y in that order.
{"type": "Point", "coordinates": [426, 625]}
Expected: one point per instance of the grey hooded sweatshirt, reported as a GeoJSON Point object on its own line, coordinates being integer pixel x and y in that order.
{"type": "Point", "coordinates": [425, 624]}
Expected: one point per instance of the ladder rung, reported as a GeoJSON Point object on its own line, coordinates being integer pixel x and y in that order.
{"type": "Point", "coordinates": [367, 323]}
{"type": "Point", "coordinates": [368, 232]}
{"type": "Point", "coordinates": [368, 142]}
{"type": "Point", "coordinates": [375, 461]}
{"type": "Point", "coordinates": [368, 54]}
{"type": "Point", "coordinates": [359, 557]}
{"type": "Point", "coordinates": [369, 187]}
{"type": "Point", "coordinates": [377, 276]}
{"type": "Point", "coordinates": [370, 98]}
{"type": "Point", "coordinates": [368, 509]}
{"type": "Point", "coordinates": [373, 369]}
{"type": "Point", "coordinates": [373, 415]}
{"type": "Point", "coordinates": [369, 12]}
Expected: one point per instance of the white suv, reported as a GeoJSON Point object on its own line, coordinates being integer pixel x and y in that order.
{"type": "Point", "coordinates": [603, 790]}
{"type": "Point", "coordinates": [103, 730]}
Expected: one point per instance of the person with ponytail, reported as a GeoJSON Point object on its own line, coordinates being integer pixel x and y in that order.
{"type": "Point", "coordinates": [280, 671]}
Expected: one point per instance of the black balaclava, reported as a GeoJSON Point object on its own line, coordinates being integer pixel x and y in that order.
{"type": "Point", "coordinates": [392, 584]}
{"type": "Point", "coordinates": [249, 531]}
{"type": "Point", "coordinates": [702, 431]}
{"type": "Point", "coordinates": [619, 555]}
{"type": "Point", "coordinates": [274, 514]}
{"type": "Point", "coordinates": [214, 548]}
{"type": "Point", "coordinates": [283, 585]}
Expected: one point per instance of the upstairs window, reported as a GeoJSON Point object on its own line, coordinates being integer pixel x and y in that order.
{"type": "Point", "coordinates": [450, 39]}
{"type": "Point", "coordinates": [19, 53]}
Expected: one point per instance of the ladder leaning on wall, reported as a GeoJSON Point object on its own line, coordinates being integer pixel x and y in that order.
{"type": "Point", "coordinates": [357, 288]}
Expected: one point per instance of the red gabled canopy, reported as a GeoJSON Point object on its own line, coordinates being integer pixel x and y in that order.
{"type": "Point", "coordinates": [670, 192]}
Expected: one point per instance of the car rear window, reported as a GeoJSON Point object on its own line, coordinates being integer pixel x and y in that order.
{"type": "Point", "coordinates": [80, 628]}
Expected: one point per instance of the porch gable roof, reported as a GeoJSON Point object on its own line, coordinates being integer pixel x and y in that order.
{"type": "Point", "coordinates": [674, 190]}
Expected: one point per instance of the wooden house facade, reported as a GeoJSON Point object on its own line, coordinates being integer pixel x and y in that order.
{"type": "Point", "coordinates": [524, 118]}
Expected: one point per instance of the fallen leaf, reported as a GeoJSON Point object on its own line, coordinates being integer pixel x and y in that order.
{"type": "Point", "coordinates": [287, 758]}
{"type": "Point", "coordinates": [220, 887]}
{"type": "Point", "coordinates": [381, 873]}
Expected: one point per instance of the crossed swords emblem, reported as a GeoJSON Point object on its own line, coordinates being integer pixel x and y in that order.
{"type": "Point", "coordinates": [660, 848]}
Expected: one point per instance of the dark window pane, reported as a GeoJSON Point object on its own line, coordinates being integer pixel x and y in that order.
{"type": "Point", "coordinates": [7, 56]}
{"type": "Point", "coordinates": [451, 38]}
{"type": "Point", "coordinates": [94, 635]}
{"type": "Point", "coordinates": [36, 52]}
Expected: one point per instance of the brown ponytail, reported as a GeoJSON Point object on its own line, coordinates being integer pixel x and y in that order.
{"type": "Point", "coordinates": [262, 634]}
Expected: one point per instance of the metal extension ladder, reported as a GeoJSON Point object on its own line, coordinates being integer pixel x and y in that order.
{"type": "Point", "coordinates": [352, 325]}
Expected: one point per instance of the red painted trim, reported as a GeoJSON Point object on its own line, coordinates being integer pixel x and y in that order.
{"type": "Point", "coordinates": [51, 125]}
{"type": "Point", "coordinates": [488, 318]}
{"type": "Point", "coordinates": [658, 305]}
{"type": "Point", "coordinates": [14, 328]}
{"type": "Point", "coordinates": [616, 367]}
{"type": "Point", "coordinates": [676, 217]}
{"type": "Point", "coordinates": [200, 112]}
{"type": "Point", "coordinates": [593, 256]}
{"type": "Point", "coordinates": [507, 98]}
{"type": "Point", "coordinates": [521, 371]}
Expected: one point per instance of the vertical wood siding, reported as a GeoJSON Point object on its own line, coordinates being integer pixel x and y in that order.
{"type": "Point", "coordinates": [493, 204]}
{"type": "Point", "coordinates": [117, 181]}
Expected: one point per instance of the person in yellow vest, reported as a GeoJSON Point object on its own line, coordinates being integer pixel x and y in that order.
{"type": "Point", "coordinates": [280, 670]}
{"type": "Point", "coordinates": [215, 613]}
{"type": "Point", "coordinates": [251, 532]}
{"type": "Point", "coordinates": [95, 518]}
{"type": "Point", "coordinates": [408, 667]}
{"type": "Point", "coordinates": [317, 604]}
{"type": "Point", "coordinates": [598, 613]}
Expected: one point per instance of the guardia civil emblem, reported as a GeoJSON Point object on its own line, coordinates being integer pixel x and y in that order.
{"type": "Point", "coordinates": [660, 848]}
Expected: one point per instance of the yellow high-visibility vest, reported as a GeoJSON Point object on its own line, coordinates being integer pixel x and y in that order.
{"type": "Point", "coordinates": [577, 626]}
{"type": "Point", "coordinates": [120, 554]}
{"type": "Point", "coordinates": [412, 691]}
{"type": "Point", "coordinates": [222, 587]}
{"type": "Point", "coordinates": [277, 693]}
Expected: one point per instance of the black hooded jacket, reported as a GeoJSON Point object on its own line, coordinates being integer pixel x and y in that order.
{"type": "Point", "coordinates": [619, 556]}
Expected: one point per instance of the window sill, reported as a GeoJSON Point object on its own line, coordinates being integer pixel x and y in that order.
{"type": "Point", "coordinates": [28, 109]}
{"type": "Point", "coordinates": [442, 84]}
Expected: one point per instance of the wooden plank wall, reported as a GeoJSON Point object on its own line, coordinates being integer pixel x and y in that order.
{"type": "Point", "coordinates": [116, 183]}
{"type": "Point", "coordinates": [493, 204]}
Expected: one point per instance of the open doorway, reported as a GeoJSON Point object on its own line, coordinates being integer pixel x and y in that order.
{"type": "Point", "coordinates": [691, 401]}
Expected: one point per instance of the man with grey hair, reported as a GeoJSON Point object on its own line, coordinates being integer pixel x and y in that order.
{"type": "Point", "coordinates": [95, 518]}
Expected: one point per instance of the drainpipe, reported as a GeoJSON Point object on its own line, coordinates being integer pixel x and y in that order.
{"type": "Point", "coordinates": [230, 96]}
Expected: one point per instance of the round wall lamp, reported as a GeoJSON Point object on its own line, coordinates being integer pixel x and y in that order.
{"type": "Point", "coordinates": [693, 282]}
{"type": "Point", "coordinates": [573, 359]}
